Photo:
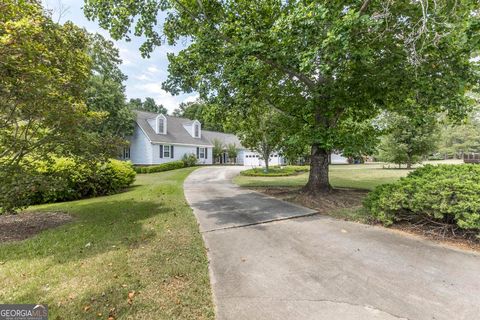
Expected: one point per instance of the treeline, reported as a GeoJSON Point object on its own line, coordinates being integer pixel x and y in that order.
{"type": "Point", "coordinates": [407, 140]}
{"type": "Point", "coordinates": [62, 96]}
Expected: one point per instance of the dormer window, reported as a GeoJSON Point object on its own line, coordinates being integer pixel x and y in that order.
{"type": "Point", "coordinates": [161, 126]}
{"type": "Point", "coordinates": [196, 130]}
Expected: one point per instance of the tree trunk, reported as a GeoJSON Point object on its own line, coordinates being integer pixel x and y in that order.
{"type": "Point", "coordinates": [266, 157]}
{"type": "Point", "coordinates": [318, 181]}
{"type": "Point", "coordinates": [409, 161]}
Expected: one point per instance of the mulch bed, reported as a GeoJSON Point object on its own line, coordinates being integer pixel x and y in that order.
{"type": "Point", "coordinates": [337, 199]}
{"type": "Point", "coordinates": [25, 225]}
{"type": "Point", "coordinates": [349, 198]}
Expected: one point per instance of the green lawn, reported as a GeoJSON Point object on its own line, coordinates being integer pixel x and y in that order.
{"type": "Point", "coordinates": [359, 176]}
{"type": "Point", "coordinates": [275, 171]}
{"type": "Point", "coordinates": [144, 240]}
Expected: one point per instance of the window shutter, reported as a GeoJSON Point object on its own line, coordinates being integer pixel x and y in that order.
{"type": "Point", "coordinates": [171, 152]}
{"type": "Point", "coordinates": [161, 151]}
{"type": "Point", "coordinates": [198, 152]}
{"type": "Point", "coordinates": [206, 153]}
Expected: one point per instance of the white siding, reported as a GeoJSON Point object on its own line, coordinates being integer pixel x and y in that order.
{"type": "Point", "coordinates": [178, 152]}
{"type": "Point", "coordinates": [252, 159]}
{"type": "Point", "coordinates": [140, 147]}
{"type": "Point", "coordinates": [240, 157]}
{"type": "Point", "coordinates": [338, 159]}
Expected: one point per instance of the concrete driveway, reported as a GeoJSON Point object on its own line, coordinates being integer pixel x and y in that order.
{"type": "Point", "coordinates": [274, 260]}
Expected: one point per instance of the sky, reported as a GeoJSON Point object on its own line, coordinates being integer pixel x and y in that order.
{"type": "Point", "coordinates": [145, 76]}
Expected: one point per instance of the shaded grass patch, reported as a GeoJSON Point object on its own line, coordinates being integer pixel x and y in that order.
{"type": "Point", "coordinates": [145, 240]}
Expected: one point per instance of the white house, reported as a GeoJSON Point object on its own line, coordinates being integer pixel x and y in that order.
{"type": "Point", "coordinates": [159, 139]}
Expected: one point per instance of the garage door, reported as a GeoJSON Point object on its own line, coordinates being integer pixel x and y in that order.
{"type": "Point", "coordinates": [251, 159]}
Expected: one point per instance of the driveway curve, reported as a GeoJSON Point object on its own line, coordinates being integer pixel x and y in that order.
{"type": "Point", "coordinates": [274, 260]}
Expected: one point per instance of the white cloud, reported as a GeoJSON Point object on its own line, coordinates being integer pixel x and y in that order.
{"type": "Point", "coordinates": [191, 98]}
{"type": "Point", "coordinates": [153, 69]}
{"type": "Point", "coordinates": [143, 77]}
{"type": "Point", "coordinates": [127, 55]}
{"type": "Point", "coordinates": [151, 87]}
{"type": "Point", "coordinates": [154, 90]}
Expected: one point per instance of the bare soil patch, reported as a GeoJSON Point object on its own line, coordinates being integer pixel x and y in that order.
{"type": "Point", "coordinates": [25, 225]}
{"type": "Point", "coordinates": [333, 202]}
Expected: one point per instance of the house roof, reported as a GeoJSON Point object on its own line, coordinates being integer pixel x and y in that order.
{"type": "Point", "coordinates": [176, 133]}
{"type": "Point", "coordinates": [225, 138]}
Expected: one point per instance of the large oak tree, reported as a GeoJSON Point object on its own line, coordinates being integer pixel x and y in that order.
{"type": "Point", "coordinates": [329, 65]}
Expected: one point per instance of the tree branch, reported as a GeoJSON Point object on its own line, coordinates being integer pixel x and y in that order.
{"type": "Point", "coordinates": [364, 6]}
{"type": "Point", "coordinates": [290, 72]}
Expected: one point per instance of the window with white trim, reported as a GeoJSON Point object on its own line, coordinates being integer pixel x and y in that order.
{"type": "Point", "coordinates": [161, 125]}
{"type": "Point", "coordinates": [196, 132]}
{"type": "Point", "coordinates": [166, 151]}
{"type": "Point", "coordinates": [201, 153]}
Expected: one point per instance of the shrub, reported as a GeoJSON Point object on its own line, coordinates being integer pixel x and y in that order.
{"type": "Point", "coordinates": [75, 181]}
{"type": "Point", "coordinates": [189, 160]}
{"type": "Point", "coordinates": [161, 167]}
{"type": "Point", "coordinates": [64, 179]}
{"type": "Point", "coordinates": [446, 194]}
{"type": "Point", "coordinates": [275, 171]}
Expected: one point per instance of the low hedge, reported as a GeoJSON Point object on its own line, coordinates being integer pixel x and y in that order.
{"type": "Point", "coordinates": [63, 179]}
{"type": "Point", "coordinates": [161, 167]}
{"type": "Point", "coordinates": [275, 171]}
{"type": "Point", "coordinates": [442, 194]}
{"type": "Point", "coordinates": [72, 181]}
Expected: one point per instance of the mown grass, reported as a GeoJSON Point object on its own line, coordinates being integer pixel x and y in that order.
{"type": "Point", "coordinates": [358, 176]}
{"type": "Point", "coordinates": [144, 240]}
{"type": "Point", "coordinates": [275, 171]}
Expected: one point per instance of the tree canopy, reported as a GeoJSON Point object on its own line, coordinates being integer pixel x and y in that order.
{"type": "Point", "coordinates": [202, 111]}
{"type": "Point", "coordinates": [460, 138]}
{"type": "Point", "coordinates": [44, 72]}
{"type": "Point", "coordinates": [261, 130]}
{"type": "Point", "coordinates": [329, 65]}
{"type": "Point", "coordinates": [59, 90]}
{"type": "Point", "coordinates": [408, 139]}
{"type": "Point", "coordinates": [148, 105]}
{"type": "Point", "coordinates": [105, 93]}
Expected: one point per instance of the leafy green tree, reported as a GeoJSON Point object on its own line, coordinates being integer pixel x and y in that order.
{"type": "Point", "coordinates": [457, 139]}
{"type": "Point", "coordinates": [261, 130]}
{"type": "Point", "coordinates": [232, 152]}
{"type": "Point", "coordinates": [327, 64]}
{"type": "Point", "coordinates": [218, 148]}
{"type": "Point", "coordinates": [408, 139]}
{"type": "Point", "coordinates": [201, 111]}
{"type": "Point", "coordinates": [135, 104]}
{"type": "Point", "coordinates": [105, 93]}
{"type": "Point", "coordinates": [44, 75]}
{"type": "Point", "coordinates": [148, 105]}
{"type": "Point", "coordinates": [294, 150]}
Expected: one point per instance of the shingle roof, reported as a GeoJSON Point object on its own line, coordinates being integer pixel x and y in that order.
{"type": "Point", "coordinates": [225, 138]}
{"type": "Point", "coordinates": [176, 133]}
